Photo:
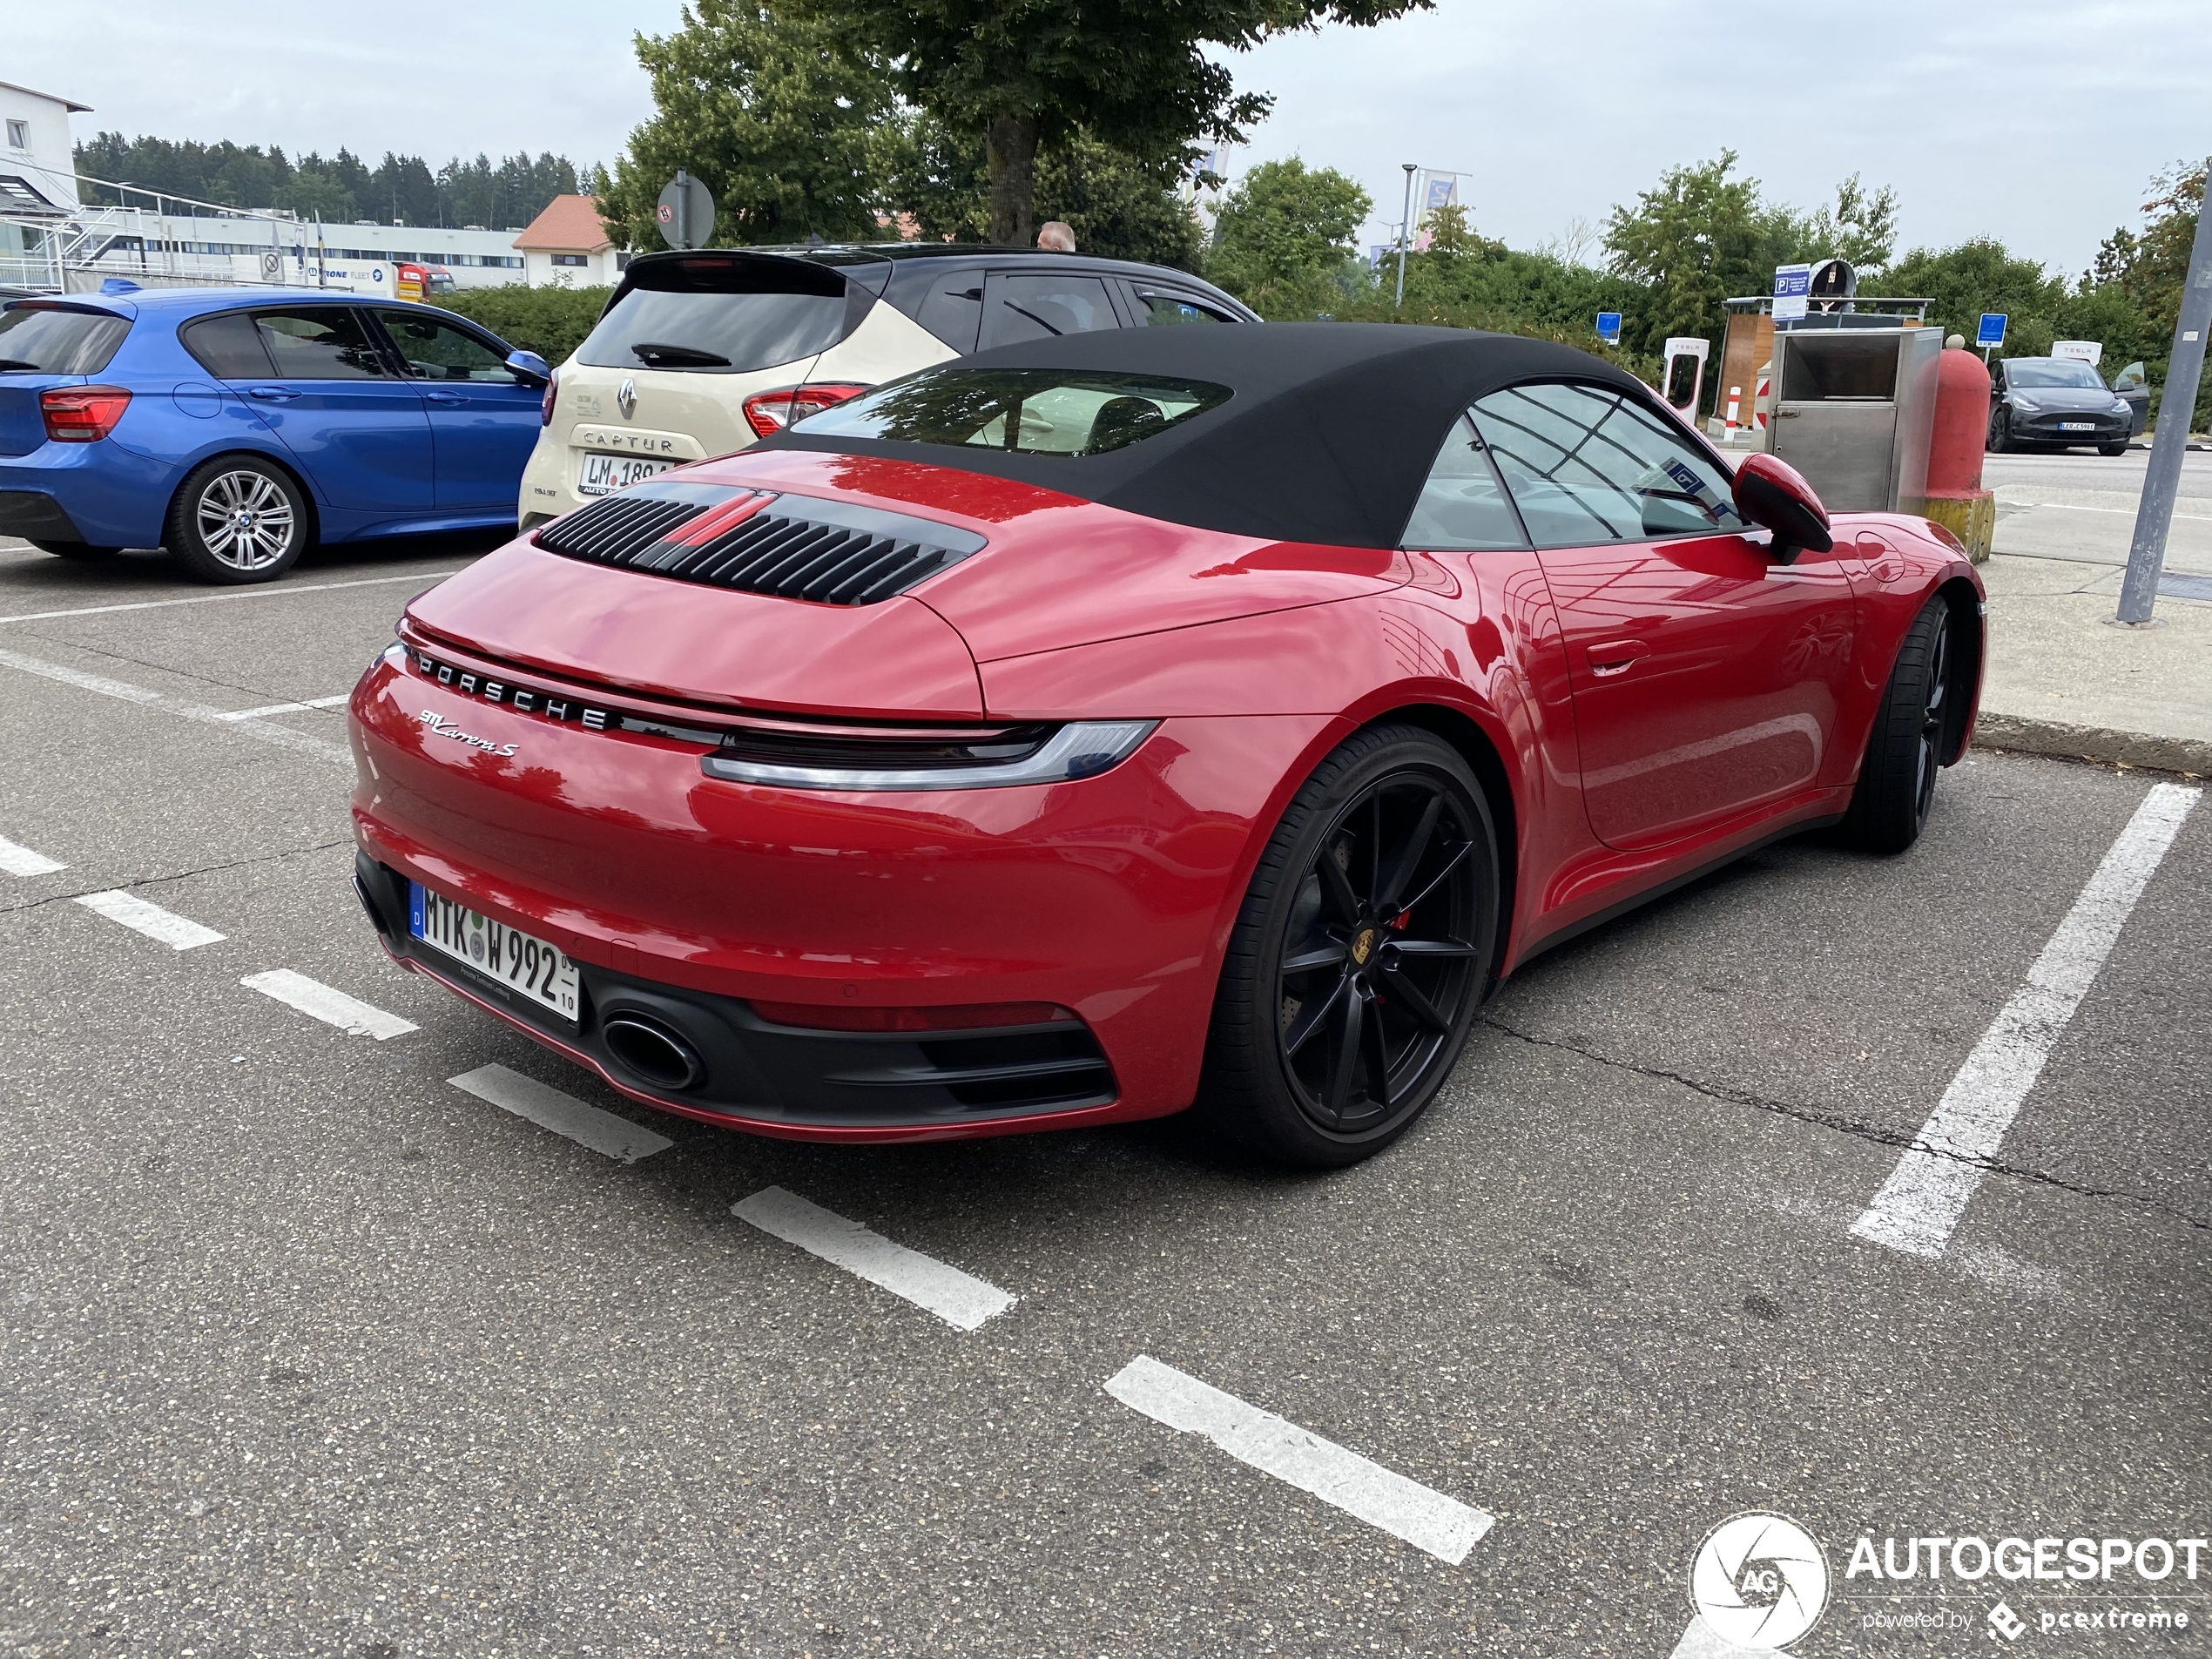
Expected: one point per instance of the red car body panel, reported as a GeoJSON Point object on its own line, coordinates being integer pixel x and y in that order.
{"type": "Point", "coordinates": [1747, 704]}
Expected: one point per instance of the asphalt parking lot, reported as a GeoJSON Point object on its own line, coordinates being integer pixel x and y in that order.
{"type": "Point", "coordinates": [308, 1350]}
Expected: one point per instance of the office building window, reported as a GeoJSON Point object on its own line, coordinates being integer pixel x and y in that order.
{"type": "Point", "coordinates": [579, 260]}
{"type": "Point", "coordinates": [19, 135]}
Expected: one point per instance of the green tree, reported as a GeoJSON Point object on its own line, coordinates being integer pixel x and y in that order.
{"type": "Point", "coordinates": [786, 129]}
{"type": "Point", "coordinates": [1282, 239]}
{"type": "Point", "coordinates": [1978, 275]}
{"type": "Point", "coordinates": [2146, 271]}
{"type": "Point", "coordinates": [1020, 76]}
{"type": "Point", "coordinates": [1117, 206]}
{"type": "Point", "coordinates": [1700, 237]}
{"type": "Point", "coordinates": [1859, 229]}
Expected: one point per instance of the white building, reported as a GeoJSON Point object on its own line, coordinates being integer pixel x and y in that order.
{"type": "Point", "coordinates": [50, 241]}
{"type": "Point", "coordinates": [567, 246]}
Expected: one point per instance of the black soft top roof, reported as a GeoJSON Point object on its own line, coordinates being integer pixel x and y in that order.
{"type": "Point", "coordinates": [1329, 434]}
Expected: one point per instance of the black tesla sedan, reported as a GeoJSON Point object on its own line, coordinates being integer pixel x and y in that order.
{"type": "Point", "coordinates": [2055, 402]}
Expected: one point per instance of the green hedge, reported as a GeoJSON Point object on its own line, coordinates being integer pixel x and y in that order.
{"type": "Point", "coordinates": [551, 321]}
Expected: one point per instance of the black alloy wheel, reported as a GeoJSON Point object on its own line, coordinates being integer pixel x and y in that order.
{"type": "Point", "coordinates": [1897, 780]}
{"type": "Point", "coordinates": [2000, 432]}
{"type": "Point", "coordinates": [1360, 956]}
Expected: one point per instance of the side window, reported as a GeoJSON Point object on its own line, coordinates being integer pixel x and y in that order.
{"type": "Point", "coordinates": [431, 350]}
{"type": "Point", "coordinates": [1158, 306]}
{"type": "Point", "coordinates": [1587, 465]}
{"type": "Point", "coordinates": [319, 343]}
{"type": "Point", "coordinates": [227, 346]}
{"type": "Point", "coordinates": [1039, 308]}
{"type": "Point", "coordinates": [1462, 506]}
{"type": "Point", "coordinates": [954, 311]}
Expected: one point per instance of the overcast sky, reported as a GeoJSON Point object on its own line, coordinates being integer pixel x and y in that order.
{"type": "Point", "coordinates": [2036, 121]}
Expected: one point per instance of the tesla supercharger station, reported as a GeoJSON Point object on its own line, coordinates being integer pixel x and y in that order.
{"type": "Point", "coordinates": [1682, 375]}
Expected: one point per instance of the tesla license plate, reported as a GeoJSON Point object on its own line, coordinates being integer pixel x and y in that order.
{"type": "Point", "coordinates": [517, 961]}
{"type": "Point", "coordinates": [605, 473]}
{"type": "Point", "coordinates": [2077, 426]}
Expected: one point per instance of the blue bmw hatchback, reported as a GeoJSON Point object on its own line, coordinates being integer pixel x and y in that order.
{"type": "Point", "coordinates": [237, 427]}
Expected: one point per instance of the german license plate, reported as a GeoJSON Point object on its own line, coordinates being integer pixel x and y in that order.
{"type": "Point", "coordinates": [2077, 426]}
{"type": "Point", "coordinates": [517, 961]}
{"type": "Point", "coordinates": [605, 473]}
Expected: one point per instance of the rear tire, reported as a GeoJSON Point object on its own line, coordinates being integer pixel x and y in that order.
{"type": "Point", "coordinates": [238, 519]}
{"type": "Point", "coordinates": [1359, 958]}
{"type": "Point", "coordinates": [84, 552]}
{"type": "Point", "coordinates": [1897, 780]}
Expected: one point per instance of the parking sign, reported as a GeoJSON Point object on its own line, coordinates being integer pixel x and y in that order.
{"type": "Point", "coordinates": [1609, 327]}
{"type": "Point", "coordinates": [1992, 332]}
{"type": "Point", "coordinates": [1793, 284]}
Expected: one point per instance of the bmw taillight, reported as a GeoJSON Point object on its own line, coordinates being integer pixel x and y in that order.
{"type": "Point", "coordinates": [769, 413]}
{"type": "Point", "coordinates": [82, 413]}
{"type": "Point", "coordinates": [545, 403]}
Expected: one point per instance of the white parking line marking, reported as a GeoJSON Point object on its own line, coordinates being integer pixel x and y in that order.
{"type": "Point", "coordinates": [281, 590]}
{"type": "Point", "coordinates": [285, 708]}
{"type": "Point", "coordinates": [333, 1007]}
{"type": "Point", "coordinates": [547, 1107]}
{"type": "Point", "coordinates": [1921, 1202]}
{"type": "Point", "coordinates": [1428, 1521]}
{"type": "Point", "coordinates": [141, 915]}
{"type": "Point", "coordinates": [21, 860]}
{"type": "Point", "coordinates": [958, 1299]}
{"type": "Point", "coordinates": [268, 731]}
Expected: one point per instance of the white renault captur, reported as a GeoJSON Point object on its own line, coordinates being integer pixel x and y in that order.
{"type": "Point", "coordinates": [700, 354]}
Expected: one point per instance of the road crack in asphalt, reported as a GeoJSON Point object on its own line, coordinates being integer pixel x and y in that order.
{"type": "Point", "coordinates": [1847, 1125]}
{"type": "Point", "coordinates": [177, 875]}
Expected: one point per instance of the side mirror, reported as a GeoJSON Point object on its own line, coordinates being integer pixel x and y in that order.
{"type": "Point", "coordinates": [528, 367]}
{"type": "Point", "coordinates": [1775, 494]}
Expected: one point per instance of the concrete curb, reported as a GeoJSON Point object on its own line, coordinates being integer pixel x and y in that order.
{"type": "Point", "coordinates": [2101, 744]}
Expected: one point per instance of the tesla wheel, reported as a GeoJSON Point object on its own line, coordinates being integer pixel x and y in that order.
{"type": "Point", "coordinates": [238, 519]}
{"type": "Point", "coordinates": [2120, 449]}
{"type": "Point", "coordinates": [2001, 433]}
{"type": "Point", "coordinates": [82, 552]}
{"type": "Point", "coordinates": [1897, 780]}
{"type": "Point", "coordinates": [1360, 956]}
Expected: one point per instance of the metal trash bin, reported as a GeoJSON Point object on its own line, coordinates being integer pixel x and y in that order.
{"type": "Point", "coordinates": [1854, 410]}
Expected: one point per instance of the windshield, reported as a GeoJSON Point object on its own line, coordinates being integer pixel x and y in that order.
{"type": "Point", "coordinates": [47, 340]}
{"type": "Point", "coordinates": [720, 315]}
{"type": "Point", "coordinates": [2052, 371]}
{"type": "Point", "coordinates": [1028, 411]}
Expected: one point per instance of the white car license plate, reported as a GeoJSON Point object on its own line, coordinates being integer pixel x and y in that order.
{"type": "Point", "coordinates": [517, 961]}
{"type": "Point", "coordinates": [2077, 426]}
{"type": "Point", "coordinates": [605, 473]}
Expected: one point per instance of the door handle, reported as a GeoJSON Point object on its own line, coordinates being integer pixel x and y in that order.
{"type": "Point", "coordinates": [273, 393]}
{"type": "Point", "coordinates": [1616, 656]}
{"type": "Point", "coordinates": [447, 398]}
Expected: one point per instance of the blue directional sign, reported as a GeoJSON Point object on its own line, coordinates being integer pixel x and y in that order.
{"type": "Point", "coordinates": [1791, 284]}
{"type": "Point", "coordinates": [1992, 332]}
{"type": "Point", "coordinates": [1609, 327]}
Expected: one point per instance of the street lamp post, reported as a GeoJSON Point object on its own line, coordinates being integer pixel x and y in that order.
{"type": "Point", "coordinates": [1405, 231]}
{"type": "Point", "coordinates": [2163, 477]}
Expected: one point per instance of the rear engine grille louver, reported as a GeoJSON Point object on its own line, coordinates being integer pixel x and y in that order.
{"type": "Point", "coordinates": [795, 547]}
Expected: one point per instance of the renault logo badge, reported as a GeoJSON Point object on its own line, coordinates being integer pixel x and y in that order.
{"type": "Point", "coordinates": [626, 399]}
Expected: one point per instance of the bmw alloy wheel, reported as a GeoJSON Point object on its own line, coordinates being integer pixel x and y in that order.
{"type": "Point", "coordinates": [244, 520]}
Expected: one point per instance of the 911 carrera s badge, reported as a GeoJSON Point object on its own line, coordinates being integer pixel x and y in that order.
{"type": "Point", "coordinates": [1363, 946]}
{"type": "Point", "coordinates": [438, 727]}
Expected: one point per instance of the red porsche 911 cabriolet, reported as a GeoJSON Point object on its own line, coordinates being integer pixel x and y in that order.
{"type": "Point", "coordinates": [1101, 726]}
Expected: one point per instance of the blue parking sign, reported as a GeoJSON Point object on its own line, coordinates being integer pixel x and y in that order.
{"type": "Point", "coordinates": [1992, 332]}
{"type": "Point", "coordinates": [1609, 327]}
